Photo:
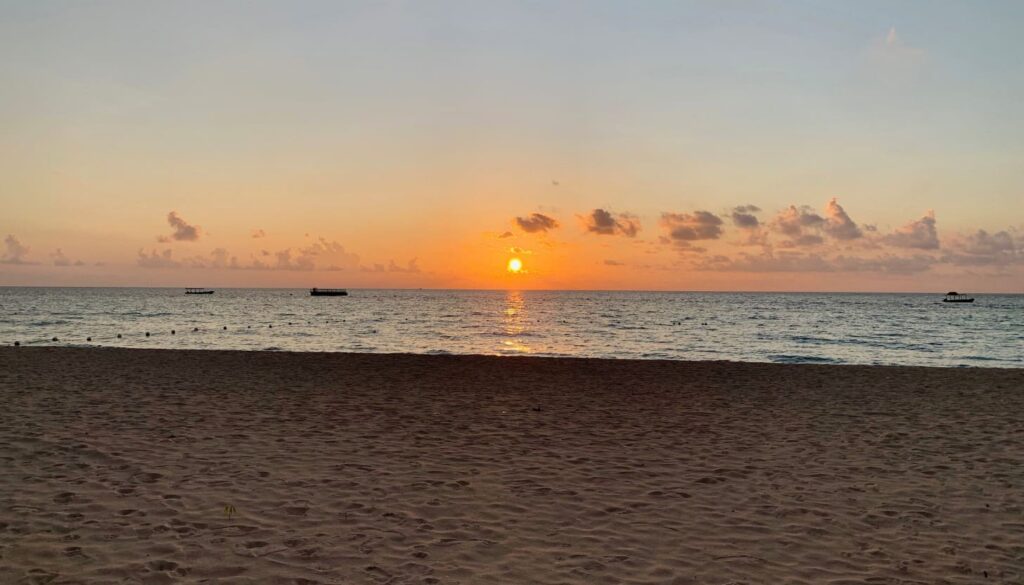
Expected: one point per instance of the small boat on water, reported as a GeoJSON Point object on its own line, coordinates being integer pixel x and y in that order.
{"type": "Point", "coordinates": [955, 297]}
{"type": "Point", "coordinates": [198, 291]}
{"type": "Point", "coordinates": [328, 292]}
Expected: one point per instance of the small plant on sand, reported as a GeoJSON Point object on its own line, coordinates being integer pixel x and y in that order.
{"type": "Point", "coordinates": [229, 511]}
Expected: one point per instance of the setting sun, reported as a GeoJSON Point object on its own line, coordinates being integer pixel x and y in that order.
{"type": "Point", "coordinates": [515, 265]}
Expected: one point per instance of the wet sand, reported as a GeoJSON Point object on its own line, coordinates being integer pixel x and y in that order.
{"type": "Point", "coordinates": [161, 466]}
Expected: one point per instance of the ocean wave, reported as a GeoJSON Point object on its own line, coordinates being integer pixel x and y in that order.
{"type": "Point", "coordinates": [803, 359]}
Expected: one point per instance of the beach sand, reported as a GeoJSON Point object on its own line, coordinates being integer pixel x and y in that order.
{"type": "Point", "coordinates": [160, 466]}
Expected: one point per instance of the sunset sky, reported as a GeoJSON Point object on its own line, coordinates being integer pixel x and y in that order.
{"type": "Point", "coordinates": [608, 145]}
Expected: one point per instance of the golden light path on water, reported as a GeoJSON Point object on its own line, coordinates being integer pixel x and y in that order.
{"type": "Point", "coordinates": [514, 323]}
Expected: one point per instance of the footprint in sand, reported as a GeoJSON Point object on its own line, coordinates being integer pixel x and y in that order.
{"type": "Point", "coordinates": [161, 565]}
{"type": "Point", "coordinates": [148, 477]}
{"type": "Point", "coordinates": [39, 576]}
{"type": "Point", "coordinates": [64, 498]}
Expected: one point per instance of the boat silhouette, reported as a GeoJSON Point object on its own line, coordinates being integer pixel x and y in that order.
{"type": "Point", "coordinates": [955, 297]}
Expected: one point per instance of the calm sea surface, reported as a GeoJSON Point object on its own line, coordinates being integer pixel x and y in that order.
{"type": "Point", "coordinates": [759, 327]}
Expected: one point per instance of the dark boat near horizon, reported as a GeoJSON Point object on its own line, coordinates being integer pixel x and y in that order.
{"type": "Point", "coordinates": [328, 292]}
{"type": "Point", "coordinates": [955, 297]}
{"type": "Point", "coordinates": [198, 291]}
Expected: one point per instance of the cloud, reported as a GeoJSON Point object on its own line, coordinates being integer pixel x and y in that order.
{"type": "Point", "coordinates": [328, 253]}
{"type": "Point", "coordinates": [838, 224]}
{"type": "Point", "coordinates": [606, 223]}
{"type": "Point", "coordinates": [411, 267]}
{"type": "Point", "coordinates": [984, 249]}
{"type": "Point", "coordinates": [536, 222]}
{"type": "Point", "coordinates": [321, 254]}
{"type": "Point", "coordinates": [156, 260]}
{"type": "Point", "coordinates": [743, 217]}
{"type": "Point", "coordinates": [15, 252]}
{"type": "Point", "coordinates": [504, 235]}
{"type": "Point", "coordinates": [802, 241]}
{"type": "Point", "coordinates": [614, 263]}
{"type": "Point", "coordinates": [220, 258]}
{"type": "Point", "coordinates": [518, 250]}
{"type": "Point", "coordinates": [983, 243]}
{"type": "Point", "coordinates": [60, 259]}
{"type": "Point", "coordinates": [689, 227]}
{"type": "Point", "coordinates": [892, 53]}
{"type": "Point", "coordinates": [750, 226]}
{"type": "Point", "coordinates": [301, 262]}
{"type": "Point", "coordinates": [792, 261]}
{"type": "Point", "coordinates": [795, 221]}
{"type": "Point", "coordinates": [183, 231]}
{"type": "Point", "coordinates": [258, 233]}
{"type": "Point", "coordinates": [919, 234]}
{"type": "Point", "coordinates": [806, 228]}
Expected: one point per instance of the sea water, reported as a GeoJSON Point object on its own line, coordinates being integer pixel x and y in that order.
{"type": "Point", "coordinates": [906, 329]}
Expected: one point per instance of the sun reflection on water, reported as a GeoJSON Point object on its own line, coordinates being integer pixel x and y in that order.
{"type": "Point", "coordinates": [514, 324]}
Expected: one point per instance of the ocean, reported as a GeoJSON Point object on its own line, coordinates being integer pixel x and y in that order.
{"type": "Point", "coordinates": [854, 328]}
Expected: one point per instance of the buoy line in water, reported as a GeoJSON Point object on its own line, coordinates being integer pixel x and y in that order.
{"type": "Point", "coordinates": [143, 335]}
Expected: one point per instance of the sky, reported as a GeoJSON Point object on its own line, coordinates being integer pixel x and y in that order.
{"type": "Point", "coordinates": [823, 146]}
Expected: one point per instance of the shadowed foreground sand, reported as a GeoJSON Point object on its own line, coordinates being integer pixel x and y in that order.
{"type": "Point", "coordinates": [117, 466]}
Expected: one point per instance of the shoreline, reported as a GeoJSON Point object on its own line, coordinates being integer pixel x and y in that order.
{"type": "Point", "coordinates": [229, 466]}
{"type": "Point", "coordinates": [1011, 293]}
{"type": "Point", "coordinates": [570, 358]}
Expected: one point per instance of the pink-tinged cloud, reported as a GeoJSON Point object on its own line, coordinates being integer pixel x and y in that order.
{"type": "Point", "coordinates": [892, 55]}
{"type": "Point", "coordinates": [838, 224]}
{"type": "Point", "coordinates": [411, 267]}
{"type": "Point", "coordinates": [258, 233]}
{"type": "Point", "coordinates": [689, 227]}
{"type": "Point", "coordinates": [920, 234]}
{"type": "Point", "coordinates": [984, 249]}
{"type": "Point", "coordinates": [330, 253]}
{"type": "Point", "coordinates": [984, 243]}
{"type": "Point", "coordinates": [536, 222]}
{"type": "Point", "coordinates": [321, 254]}
{"type": "Point", "coordinates": [802, 241]}
{"type": "Point", "coordinates": [606, 223]}
{"type": "Point", "coordinates": [804, 227]}
{"type": "Point", "coordinates": [14, 251]}
{"type": "Point", "coordinates": [156, 259]}
{"type": "Point", "coordinates": [60, 259]}
{"type": "Point", "coordinates": [743, 217]}
{"type": "Point", "coordinates": [183, 231]}
{"type": "Point", "coordinates": [801, 224]}
{"type": "Point", "coordinates": [795, 261]}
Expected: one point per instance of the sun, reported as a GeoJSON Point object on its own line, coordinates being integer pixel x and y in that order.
{"type": "Point", "coordinates": [515, 265]}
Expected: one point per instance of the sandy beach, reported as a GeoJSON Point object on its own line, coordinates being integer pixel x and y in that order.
{"type": "Point", "coordinates": [160, 466]}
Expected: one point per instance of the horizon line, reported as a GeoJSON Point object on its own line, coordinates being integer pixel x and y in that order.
{"type": "Point", "coordinates": [595, 290]}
